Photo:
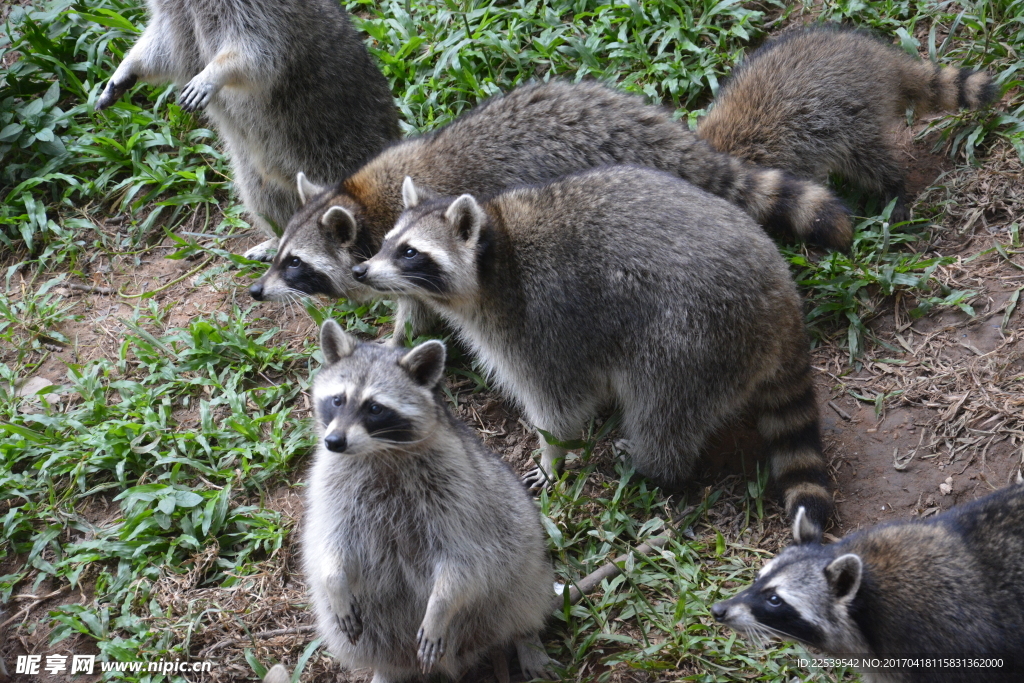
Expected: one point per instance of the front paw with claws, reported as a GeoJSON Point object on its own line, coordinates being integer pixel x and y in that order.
{"type": "Point", "coordinates": [351, 622]}
{"type": "Point", "coordinates": [196, 95]}
{"type": "Point", "coordinates": [430, 650]}
{"type": "Point", "coordinates": [112, 93]}
{"type": "Point", "coordinates": [536, 479]}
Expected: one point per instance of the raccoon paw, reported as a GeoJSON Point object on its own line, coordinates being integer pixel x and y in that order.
{"type": "Point", "coordinates": [196, 95]}
{"type": "Point", "coordinates": [430, 650]}
{"type": "Point", "coordinates": [536, 479]}
{"type": "Point", "coordinates": [112, 93]}
{"type": "Point", "coordinates": [264, 251]}
{"type": "Point", "coordinates": [533, 660]}
{"type": "Point", "coordinates": [350, 621]}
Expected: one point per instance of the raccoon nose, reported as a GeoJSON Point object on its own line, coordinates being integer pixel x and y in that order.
{"type": "Point", "coordinates": [360, 270]}
{"type": "Point", "coordinates": [256, 291]}
{"type": "Point", "coordinates": [718, 610]}
{"type": "Point", "coordinates": [336, 443]}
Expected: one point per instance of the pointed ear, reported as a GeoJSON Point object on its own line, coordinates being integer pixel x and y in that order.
{"type": "Point", "coordinates": [425, 363]}
{"type": "Point", "coordinates": [307, 190]}
{"type": "Point", "coordinates": [466, 217]}
{"type": "Point", "coordinates": [843, 576]}
{"type": "Point", "coordinates": [336, 343]}
{"type": "Point", "coordinates": [409, 193]}
{"type": "Point", "coordinates": [340, 225]}
{"type": "Point", "coordinates": [804, 530]}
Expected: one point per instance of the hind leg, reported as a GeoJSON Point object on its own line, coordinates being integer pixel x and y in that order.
{"type": "Point", "coordinates": [875, 168]}
{"type": "Point", "coordinates": [270, 205]}
{"type": "Point", "coordinates": [551, 458]}
{"type": "Point", "coordinates": [533, 659]}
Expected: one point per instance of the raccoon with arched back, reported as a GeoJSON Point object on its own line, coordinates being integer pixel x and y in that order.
{"type": "Point", "coordinates": [422, 550]}
{"type": "Point", "coordinates": [950, 586]}
{"type": "Point", "coordinates": [533, 134]}
{"type": "Point", "coordinates": [831, 99]}
{"type": "Point", "coordinates": [621, 287]}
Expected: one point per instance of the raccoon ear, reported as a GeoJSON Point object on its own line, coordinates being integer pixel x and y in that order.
{"type": "Point", "coordinates": [414, 195]}
{"type": "Point", "coordinates": [341, 224]}
{"type": "Point", "coordinates": [466, 217]}
{"type": "Point", "coordinates": [843, 576]}
{"type": "Point", "coordinates": [804, 530]}
{"type": "Point", "coordinates": [425, 363]}
{"type": "Point", "coordinates": [307, 189]}
{"type": "Point", "coordinates": [336, 343]}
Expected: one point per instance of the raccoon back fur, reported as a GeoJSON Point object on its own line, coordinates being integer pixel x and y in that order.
{"type": "Point", "coordinates": [951, 585]}
{"type": "Point", "coordinates": [626, 287]}
{"type": "Point", "coordinates": [533, 134]}
{"type": "Point", "coordinates": [421, 548]}
{"type": "Point", "coordinates": [288, 84]}
{"type": "Point", "coordinates": [829, 99]}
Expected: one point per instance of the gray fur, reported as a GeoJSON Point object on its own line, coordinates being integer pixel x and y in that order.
{"type": "Point", "coordinates": [826, 99]}
{"type": "Point", "coordinates": [533, 134]}
{"type": "Point", "coordinates": [627, 287]}
{"type": "Point", "coordinates": [288, 84]}
{"type": "Point", "coordinates": [421, 549]}
{"type": "Point", "coordinates": [951, 585]}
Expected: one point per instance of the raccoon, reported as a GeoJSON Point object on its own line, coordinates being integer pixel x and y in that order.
{"type": "Point", "coordinates": [421, 549]}
{"type": "Point", "coordinates": [951, 585]}
{"type": "Point", "coordinates": [288, 84]}
{"type": "Point", "coordinates": [830, 99]}
{"type": "Point", "coordinates": [533, 134]}
{"type": "Point", "coordinates": [628, 287]}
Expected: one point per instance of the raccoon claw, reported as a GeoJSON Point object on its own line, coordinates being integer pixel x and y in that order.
{"type": "Point", "coordinates": [196, 95]}
{"type": "Point", "coordinates": [429, 652]}
{"type": "Point", "coordinates": [351, 624]}
{"type": "Point", "coordinates": [536, 479]}
{"type": "Point", "coordinates": [264, 251]}
{"type": "Point", "coordinates": [112, 93]}
{"type": "Point", "coordinates": [534, 661]}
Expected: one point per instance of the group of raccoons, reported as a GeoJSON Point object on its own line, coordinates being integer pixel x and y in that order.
{"type": "Point", "coordinates": [592, 254]}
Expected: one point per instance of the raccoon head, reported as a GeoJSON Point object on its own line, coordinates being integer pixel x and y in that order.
{"type": "Point", "coordinates": [804, 594]}
{"type": "Point", "coordinates": [369, 398]}
{"type": "Point", "coordinates": [317, 250]}
{"type": "Point", "coordinates": [432, 250]}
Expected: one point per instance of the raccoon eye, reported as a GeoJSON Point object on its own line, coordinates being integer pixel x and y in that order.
{"type": "Point", "coordinates": [338, 400]}
{"type": "Point", "coordinates": [376, 409]}
{"type": "Point", "coordinates": [409, 252]}
{"type": "Point", "coordinates": [774, 600]}
{"type": "Point", "coordinates": [294, 262]}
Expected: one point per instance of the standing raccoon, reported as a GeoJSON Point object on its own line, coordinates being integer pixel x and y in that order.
{"type": "Point", "coordinates": [828, 99]}
{"type": "Point", "coordinates": [949, 586]}
{"type": "Point", "coordinates": [621, 287]}
{"type": "Point", "coordinates": [534, 134]}
{"type": "Point", "coordinates": [422, 550]}
{"type": "Point", "coordinates": [288, 84]}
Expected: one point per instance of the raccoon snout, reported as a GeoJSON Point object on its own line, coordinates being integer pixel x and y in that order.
{"type": "Point", "coordinates": [335, 442]}
{"type": "Point", "coordinates": [359, 270]}
{"type": "Point", "coordinates": [256, 290]}
{"type": "Point", "coordinates": [719, 610]}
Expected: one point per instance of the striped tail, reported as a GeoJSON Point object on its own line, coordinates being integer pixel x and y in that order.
{"type": "Point", "coordinates": [785, 205]}
{"type": "Point", "coordinates": [788, 424]}
{"type": "Point", "coordinates": [937, 88]}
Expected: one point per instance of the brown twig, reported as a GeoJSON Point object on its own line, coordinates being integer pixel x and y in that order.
{"type": "Point", "coordinates": [842, 413]}
{"type": "Point", "coordinates": [264, 634]}
{"type": "Point", "coordinates": [592, 580]}
{"type": "Point", "coordinates": [91, 289]}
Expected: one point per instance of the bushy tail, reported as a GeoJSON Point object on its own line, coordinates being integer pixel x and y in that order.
{"type": "Point", "coordinates": [785, 205]}
{"type": "Point", "coordinates": [788, 424]}
{"type": "Point", "coordinates": [934, 88]}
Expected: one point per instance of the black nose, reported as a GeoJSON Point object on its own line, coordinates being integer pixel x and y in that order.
{"type": "Point", "coordinates": [360, 271]}
{"type": "Point", "coordinates": [256, 291]}
{"type": "Point", "coordinates": [336, 443]}
{"type": "Point", "coordinates": [718, 610]}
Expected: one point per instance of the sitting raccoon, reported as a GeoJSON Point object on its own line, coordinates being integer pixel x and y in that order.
{"type": "Point", "coordinates": [621, 287]}
{"type": "Point", "coordinates": [828, 99]}
{"type": "Point", "coordinates": [421, 549]}
{"type": "Point", "coordinates": [952, 586]}
{"type": "Point", "coordinates": [533, 134]}
{"type": "Point", "coordinates": [287, 83]}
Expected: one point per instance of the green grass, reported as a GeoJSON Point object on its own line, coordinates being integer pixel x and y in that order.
{"type": "Point", "coordinates": [184, 430]}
